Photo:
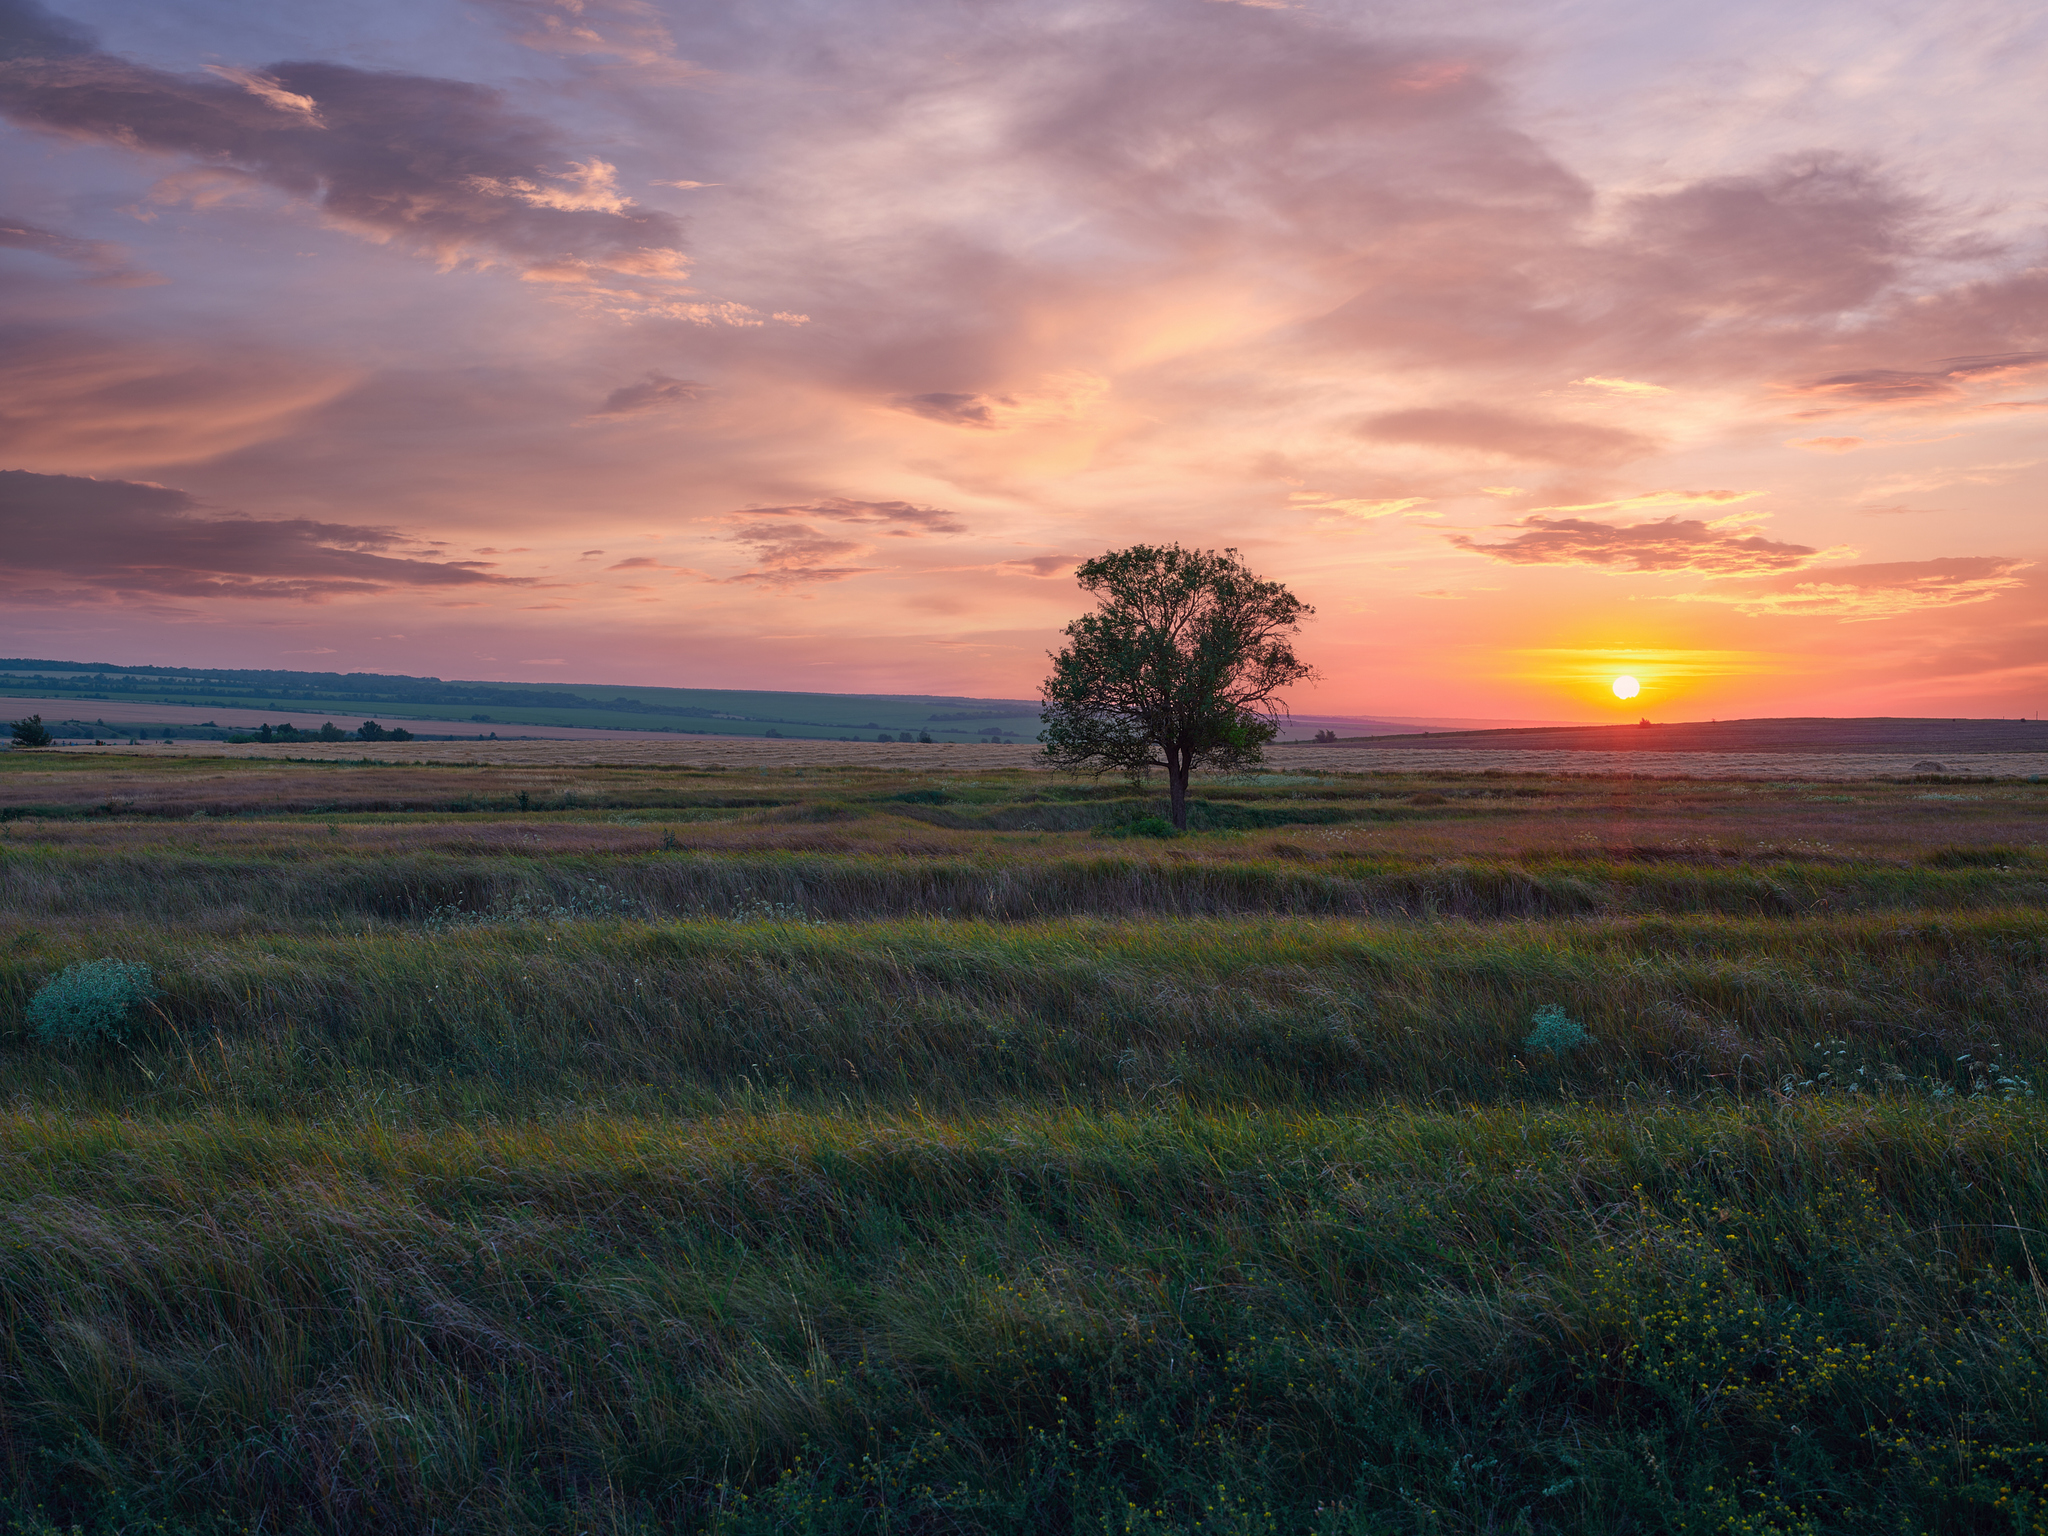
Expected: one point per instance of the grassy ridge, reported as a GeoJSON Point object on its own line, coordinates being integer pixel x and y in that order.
{"type": "Point", "coordinates": [872, 1154]}
{"type": "Point", "coordinates": [514, 1019]}
{"type": "Point", "coordinates": [310, 881]}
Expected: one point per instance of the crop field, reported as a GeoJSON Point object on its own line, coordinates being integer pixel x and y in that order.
{"type": "Point", "coordinates": [927, 1144]}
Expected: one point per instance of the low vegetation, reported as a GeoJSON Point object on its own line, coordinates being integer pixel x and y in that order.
{"type": "Point", "coordinates": [483, 1150]}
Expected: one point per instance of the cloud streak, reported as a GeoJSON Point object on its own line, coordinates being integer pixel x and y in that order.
{"type": "Point", "coordinates": [1669, 544]}
{"type": "Point", "coordinates": [1497, 433]}
{"type": "Point", "coordinates": [102, 260]}
{"type": "Point", "coordinates": [789, 551]}
{"type": "Point", "coordinates": [121, 538]}
{"type": "Point", "coordinates": [657, 391]}
{"type": "Point", "coordinates": [1883, 591]}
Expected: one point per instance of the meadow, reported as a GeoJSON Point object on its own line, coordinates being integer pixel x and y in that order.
{"type": "Point", "coordinates": [876, 1148]}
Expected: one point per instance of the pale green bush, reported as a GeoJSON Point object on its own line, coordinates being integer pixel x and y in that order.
{"type": "Point", "coordinates": [1556, 1033]}
{"type": "Point", "coordinates": [91, 1001]}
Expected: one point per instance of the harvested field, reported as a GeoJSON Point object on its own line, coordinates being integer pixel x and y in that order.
{"type": "Point", "coordinates": [746, 752]}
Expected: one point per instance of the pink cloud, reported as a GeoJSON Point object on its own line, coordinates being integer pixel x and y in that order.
{"type": "Point", "coordinates": [1495, 432]}
{"type": "Point", "coordinates": [1670, 544]}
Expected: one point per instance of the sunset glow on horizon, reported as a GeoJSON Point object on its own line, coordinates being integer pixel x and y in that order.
{"type": "Point", "coordinates": [1544, 348]}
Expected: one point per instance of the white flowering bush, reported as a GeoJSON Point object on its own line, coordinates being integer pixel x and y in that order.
{"type": "Point", "coordinates": [91, 1001]}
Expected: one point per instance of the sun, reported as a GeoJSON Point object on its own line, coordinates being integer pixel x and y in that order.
{"type": "Point", "coordinates": [1626, 687]}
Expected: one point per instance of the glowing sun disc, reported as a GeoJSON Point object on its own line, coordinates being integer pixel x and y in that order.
{"type": "Point", "coordinates": [1626, 687]}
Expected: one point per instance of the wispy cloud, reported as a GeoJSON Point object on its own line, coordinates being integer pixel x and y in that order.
{"type": "Point", "coordinates": [897, 517]}
{"type": "Point", "coordinates": [1042, 566]}
{"type": "Point", "coordinates": [103, 261]}
{"type": "Point", "coordinates": [1622, 386]}
{"type": "Point", "coordinates": [788, 554]}
{"type": "Point", "coordinates": [1669, 544]}
{"type": "Point", "coordinates": [115, 537]}
{"type": "Point", "coordinates": [1496, 432]}
{"type": "Point", "coordinates": [1861, 592]}
{"type": "Point", "coordinates": [656, 391]}
{"type": "Point", "coordinates": [1643, 501]}
{"type": "Point", "coordinates": [788, 550]}
{"type": "Point", "coordinates": [1363, 508]}
{"type": "Point", "coordinates": [631, 32]}
{"type": "Point", "coordinates": [1942, 384]}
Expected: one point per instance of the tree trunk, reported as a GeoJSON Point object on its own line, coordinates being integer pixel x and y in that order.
{"type": "Point", "coordinates": [1177, 788]}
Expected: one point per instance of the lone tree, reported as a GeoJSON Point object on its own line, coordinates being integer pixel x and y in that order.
{"type": "Point", "coordinates": [1180, 667]}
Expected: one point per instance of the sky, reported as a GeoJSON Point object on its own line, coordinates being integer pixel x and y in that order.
{"type": "Point", "coordinates": [804, 345]}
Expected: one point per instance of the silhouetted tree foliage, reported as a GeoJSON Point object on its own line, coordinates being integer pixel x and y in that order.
{"type": "Point", "coordinates": [30, 732]}
{"type": "Point", "coordinates": [1180, 667]}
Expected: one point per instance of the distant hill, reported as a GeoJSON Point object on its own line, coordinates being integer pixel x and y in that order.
{"type": "Point", "coordinates": [305, 697]}
{"type": "Point", "coordinates": [474, 707]}
{"type": "Point", "coordinates": [1797, 734]}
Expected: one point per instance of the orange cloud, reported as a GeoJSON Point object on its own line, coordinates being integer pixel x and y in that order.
{"type": "Point", "coordinates": [1853, 592]}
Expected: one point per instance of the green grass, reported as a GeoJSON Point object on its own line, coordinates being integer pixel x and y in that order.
{"type": "Point", "coordinates": [522, 1018]}
{"type": "Point", "coordinates": [860, 1155]}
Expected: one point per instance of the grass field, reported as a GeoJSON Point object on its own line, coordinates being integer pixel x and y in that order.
{"type": "Point", "coordinates": [885, 1148]}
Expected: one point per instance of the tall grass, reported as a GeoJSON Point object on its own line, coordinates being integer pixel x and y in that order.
{"type": "Point", "coordinates": [834, 1160]}
{"type": "Point", "coordinates": [298, 884]}
{"type": "Point", "coordinates": [538, 1017]}
{"type": "Point", "coordinates": [1806, 1318]}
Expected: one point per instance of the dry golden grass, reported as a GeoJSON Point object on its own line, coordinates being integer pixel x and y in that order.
{"type": "Point", "coordinates": [750, 752]}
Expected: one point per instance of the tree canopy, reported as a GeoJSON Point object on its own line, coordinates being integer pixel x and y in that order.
{"type": "Point", "coordinates": [1181, 666]}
